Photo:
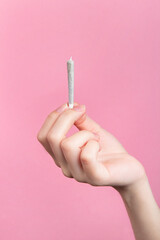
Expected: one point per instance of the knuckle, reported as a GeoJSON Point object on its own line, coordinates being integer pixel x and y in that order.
{"type": "Point", "coordinates": [95, 179]}
{"type": "Point", "coordinates": [84, 161]}
{"type": "Point", "coordinates": [65, 145]}
{"type": "Point", "coordinates": [57, 163]}
{"type": "Point", "coordinates": [79, 179]}
{"type": "Point", "coordinates": [85, 158]}
{"type": "Point", "coordinates": [93, 183]}
{"type": "Point", "coordinates": [66, 173]}
{"type": "Point", "coordinates": [40, 137]}
{"type": "Point", "coordinates": [92, 180]}
{"type": "Point", "coordinates": [52, 138]}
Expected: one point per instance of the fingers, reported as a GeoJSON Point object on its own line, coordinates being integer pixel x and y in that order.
{"type": "Point", "coordinates": [48, 123]}
{"type": "Point", "coordinates": [67, 152]}
{"type": "Point", "coordinates": [42, 134]}
{"type": "Point", "coordinates": [86, 123]}
{"type": "Point", "coordinates": [71, 148]}
{"type": "Point", "coordinates": [58, 131]}
{"type": "Point", "coordinates": [51, 118]}
{"type": "Point", "coordinates": [66, 120]}
{"type": "Point", "coordinates": [94, 170]}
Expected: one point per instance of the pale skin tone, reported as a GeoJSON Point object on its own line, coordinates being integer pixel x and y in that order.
{"type": "Point", "coordinates": [94, 156]}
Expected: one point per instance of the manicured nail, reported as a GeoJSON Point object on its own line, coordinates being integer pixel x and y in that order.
{"type": "Point", "coordinates": [79, 108]}
{"type": "Point", "coordinates": [61, 108]}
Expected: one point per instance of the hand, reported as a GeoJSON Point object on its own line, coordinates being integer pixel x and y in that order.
{"type": "Point", "coordinates": [92, 155]}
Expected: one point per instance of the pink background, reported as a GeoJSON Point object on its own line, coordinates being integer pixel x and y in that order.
{"type": "Point", "coordinates": [116, 48]}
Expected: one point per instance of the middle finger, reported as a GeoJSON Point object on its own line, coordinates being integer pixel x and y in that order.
{"type": "Point", "coordinates": [58, 131]}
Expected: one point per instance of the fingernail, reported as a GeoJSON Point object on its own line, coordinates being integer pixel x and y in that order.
{"type": "Point", "coordinates": [74, 104]}
{"type": "Point", "coordinates": [79, 108]}
{"type": "Point", "coordinates": [61, 108]}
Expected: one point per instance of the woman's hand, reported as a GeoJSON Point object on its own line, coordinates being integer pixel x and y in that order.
{"type": "Point", "coordinates": [91, 155]}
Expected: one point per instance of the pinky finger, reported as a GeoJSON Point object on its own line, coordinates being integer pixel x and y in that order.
{"type": "Point", "coordinates": [96, 173]}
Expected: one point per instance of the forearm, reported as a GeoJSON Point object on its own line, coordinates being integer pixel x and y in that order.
{"type": "Point", "coordinates": [142, 209]}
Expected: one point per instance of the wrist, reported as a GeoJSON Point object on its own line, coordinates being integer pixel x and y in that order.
{"type": "Point", "coordinates": [142, 209]}
{"type": "Point", "coordinates": [134, 190]}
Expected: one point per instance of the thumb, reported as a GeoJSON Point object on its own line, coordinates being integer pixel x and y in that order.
{"type": "Point", "coordinates": [86, 123]}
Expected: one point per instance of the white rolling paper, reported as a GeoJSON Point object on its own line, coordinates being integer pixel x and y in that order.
{"type": "Point", "coordinates": [70, 69]}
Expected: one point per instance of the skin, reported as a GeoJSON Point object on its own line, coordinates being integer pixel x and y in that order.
{"type": "Point", "coordinates": [94, 156]}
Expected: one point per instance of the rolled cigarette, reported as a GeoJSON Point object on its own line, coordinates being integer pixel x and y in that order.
{"type": "Point", "coordinates": [70, 69]}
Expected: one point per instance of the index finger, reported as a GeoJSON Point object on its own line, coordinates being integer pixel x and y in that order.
{"type": "Point", "coordinates": [49, 121]}
{"type": "Point", "coordinates": [51, 118]}
{"type": "Point", "coordinates": [65, 121]}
